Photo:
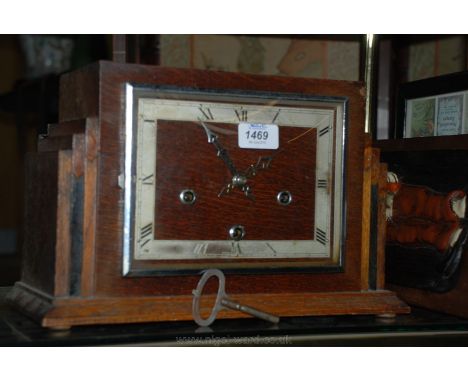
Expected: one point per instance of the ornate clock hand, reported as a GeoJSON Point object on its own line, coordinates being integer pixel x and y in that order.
{"type": "Point", "coordinates": [221, 151]}
{"type": "Point", "coordinates": [241, 180]}
{"type": "Point", "coordinates": [262, 164]}
{"type": "Point", "coordinates": [238, 180]}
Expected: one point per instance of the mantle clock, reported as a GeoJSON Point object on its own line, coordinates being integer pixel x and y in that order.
{"type": "Point", "coordinates": [153, 175]}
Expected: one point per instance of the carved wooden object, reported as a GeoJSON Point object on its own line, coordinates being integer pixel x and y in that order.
{"type": "Point", "coordinates": [72, 272]}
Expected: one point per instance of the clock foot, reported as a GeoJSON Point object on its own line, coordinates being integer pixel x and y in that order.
{"type": "Point", "coordinates": [60, 328]}
{"type": "Point", "coordinates": [386, 317]}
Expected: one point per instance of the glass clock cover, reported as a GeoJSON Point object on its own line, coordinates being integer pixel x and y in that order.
{"type": "Point", "coordinates": [237, 179]}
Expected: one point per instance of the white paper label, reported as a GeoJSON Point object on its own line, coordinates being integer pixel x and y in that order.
{"type": "Point", "coordinates": [258, 136]}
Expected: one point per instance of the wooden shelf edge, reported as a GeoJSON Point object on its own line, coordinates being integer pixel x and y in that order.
{"type": "Point", "coordinates": [452, 142]}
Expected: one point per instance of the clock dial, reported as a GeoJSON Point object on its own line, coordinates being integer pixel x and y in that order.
{"type": "Point", "coordinates": [233, 177]}
{"type": "Point", "coordinates": [216, 210]}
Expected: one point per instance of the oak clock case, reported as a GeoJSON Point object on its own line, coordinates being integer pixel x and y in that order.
{"type": "Point", "coordinates": [144, 182]}
{"type": "Point", "coordinates": [254, 179]}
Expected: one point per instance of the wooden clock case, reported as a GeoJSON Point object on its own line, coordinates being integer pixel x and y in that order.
{"type": "Point", "coordinates": [72, 255]}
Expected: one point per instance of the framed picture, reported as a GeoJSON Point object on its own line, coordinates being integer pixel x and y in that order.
{"type": "Point", "coordinates": [433, 107]}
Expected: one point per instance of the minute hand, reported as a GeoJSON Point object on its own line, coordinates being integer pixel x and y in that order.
{"type": "Point", "coordinates": [221, 151]}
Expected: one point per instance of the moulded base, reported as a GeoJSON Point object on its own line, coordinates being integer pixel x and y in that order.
{"type": "Point", "coordinates": [72, 311]}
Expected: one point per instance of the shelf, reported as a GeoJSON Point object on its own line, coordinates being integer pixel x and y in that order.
{"type": "Point", "coordinates": [420, 328]}
{"type": "Point", "coordinates": [452, 142]}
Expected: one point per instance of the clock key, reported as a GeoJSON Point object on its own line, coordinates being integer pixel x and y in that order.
{"type": "Point", "coordinates": [249, 310]}
{"type": "Point", "coordinates": [222, 302]}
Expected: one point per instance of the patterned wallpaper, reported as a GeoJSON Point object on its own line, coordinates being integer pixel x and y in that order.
{"type": "Point", "coordinates": [436, 57]}
{"type": "Point", "coordinates": [302, 57]}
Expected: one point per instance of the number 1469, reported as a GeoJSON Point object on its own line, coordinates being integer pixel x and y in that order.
{"type": "Point", "coordinates": [259, 135]}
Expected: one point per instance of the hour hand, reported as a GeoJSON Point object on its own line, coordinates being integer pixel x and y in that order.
{"type": "Point", "coordinates": [221, 151]}
{"type": "Point", "coordinates": [211, 136]}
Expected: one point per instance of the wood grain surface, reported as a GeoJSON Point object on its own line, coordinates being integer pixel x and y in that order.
{"type": "Point", "coordinates": [40, 228]}
{"type": "Point", "coordinates": [192, 163]}
{"type": "Point", "coordinates": [63, 313]}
